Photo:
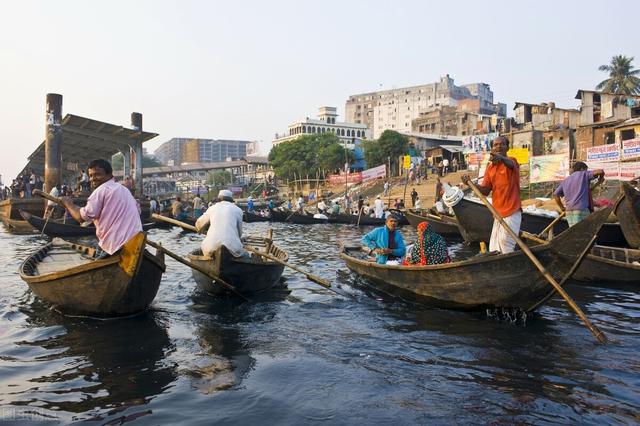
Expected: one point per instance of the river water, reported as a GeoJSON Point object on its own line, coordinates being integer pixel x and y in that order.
{"type": "Point", "coordinates": [303, 355]}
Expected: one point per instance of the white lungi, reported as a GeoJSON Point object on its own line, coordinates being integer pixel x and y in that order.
{"type": "Point", "coordinates": [500, 239]}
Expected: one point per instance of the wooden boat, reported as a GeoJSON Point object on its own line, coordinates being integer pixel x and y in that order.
{"type": "Point", "coordinates": [247, 274]}
{"type": "Point", "coordinates": [55, 228]}
{"type": "Point", "coordinates": [253, 217]}
{"type": "Point", "coordinates": [295, 217]}
{"type": "Point", "coordinates": [477, 221]}
{"type": "Point", "coordinates": [19, 226]}
{"type": "Point", "coordinates": [442, 224]}
{"type": "Point", "coordinates": [69, 277]}
{"type": "Point", "coordinates": [610, 265]}
{"type": "Point", "coordinates": [352, 219]}
{"type": "Point", "coordinates": [506, 280]}
{"type": "Point", "coordinates": [628, 213]}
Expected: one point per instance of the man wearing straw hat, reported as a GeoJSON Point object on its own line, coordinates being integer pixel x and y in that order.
{"type": "Point", "coordinates": [225, 226]}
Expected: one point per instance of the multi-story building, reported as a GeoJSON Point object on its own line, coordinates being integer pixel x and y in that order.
{"type": "Point", "coordinates": [326, 122]}
{"type": "Point", "coordinates": [188, 150]}
{"type": "Point", "coordinates": [395, 109]}
{"type": "Point", "coordinates": [450, 121]}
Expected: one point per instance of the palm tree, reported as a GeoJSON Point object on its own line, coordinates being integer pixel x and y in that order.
{"type": "Point", "coordinates": [622, 77]}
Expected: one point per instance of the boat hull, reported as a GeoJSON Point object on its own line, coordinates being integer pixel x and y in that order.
{"type": "Point", "coordinates": [628, 213]}
{"type": "Point", "coordinates": [101, 288]}
{"type": "Point", "coordinates": [477, 222]}
{"type": "Point", "coordinates": [508, 280]}
{"type": "Point", "coordinates": [246, 274]}
{"type": "Point", "coordinates": [610, 265]}
{"type": "Point", "coordinates": [443, 225]}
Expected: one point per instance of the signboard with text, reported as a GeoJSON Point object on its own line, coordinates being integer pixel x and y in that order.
{"type": "Point", "coordinates": [374, 173]}
{"type": "Point", "coordinates": [603, 153]}
{"type": "Point", "coordinates": [342, 179]}
{"type": "Point", "coordinates": [630, 149]}
{"type": "Point", "coordinates": [406, 163]}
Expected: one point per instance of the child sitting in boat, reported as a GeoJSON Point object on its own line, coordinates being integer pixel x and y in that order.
{"type": "Point", "coordinates": [429, 249]}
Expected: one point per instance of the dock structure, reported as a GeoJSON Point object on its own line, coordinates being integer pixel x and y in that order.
{"type": "Point", "coordinates": [71, 142]}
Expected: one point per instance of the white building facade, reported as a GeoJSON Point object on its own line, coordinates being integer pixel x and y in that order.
{"type": "Point", "coordinates": [326, 123]}
{"type": "Point", "coordinates": [395, 109]}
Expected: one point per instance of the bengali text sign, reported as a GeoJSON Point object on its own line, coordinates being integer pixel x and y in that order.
{"type": "Point", "coordinates": [603, 153]}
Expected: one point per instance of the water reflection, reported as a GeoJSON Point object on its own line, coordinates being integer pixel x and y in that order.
{"type": "Point", "coordinates": [113, 365]}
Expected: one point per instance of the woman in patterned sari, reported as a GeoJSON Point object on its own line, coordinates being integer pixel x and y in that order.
{"type": "Point", "coordinates": [430, 249]}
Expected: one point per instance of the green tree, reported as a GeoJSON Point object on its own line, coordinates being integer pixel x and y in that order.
{"type": "Point", "coordinates": [622, 77]}
{"type": "Point", "coordinates": [117, 162]}
{"type": "Point", "coordinates": [308, 154]}
{"type": "Point", "coordinates": [219, 178]}
{"type": "Point", "coordinates": [391, 144]}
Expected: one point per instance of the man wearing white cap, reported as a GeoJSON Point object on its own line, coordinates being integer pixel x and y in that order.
{"type": "Point", "coordinates": [225, 229]}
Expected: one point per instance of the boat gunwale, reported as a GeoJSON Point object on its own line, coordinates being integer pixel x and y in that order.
{"type": "Point", "coordinates": [76, 270]}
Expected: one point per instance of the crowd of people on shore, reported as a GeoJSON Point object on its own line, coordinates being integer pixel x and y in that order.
{"type": "Point", "coordinates": [23, 186]}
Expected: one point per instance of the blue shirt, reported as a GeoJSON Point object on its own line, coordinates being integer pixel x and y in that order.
{"type": "Point", "coordinates": [379, 238]}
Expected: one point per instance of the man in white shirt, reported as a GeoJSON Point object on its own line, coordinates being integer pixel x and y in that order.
{"type": "Point", "coordinates": [445, 163]}
{"type": "Point", "coordinates": [378, 207]}
{"type": "Point", "coordinates": [322, 207]}
{"type": "Point", "coordinates": [55, 191]}
{"type": "Point", "coordinates": [153, 205]}
{"type": "Point", "coordinates": [225, 219]}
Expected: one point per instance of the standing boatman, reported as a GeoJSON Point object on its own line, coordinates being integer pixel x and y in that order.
{"type": "Point", "coordinates": [577, 193]}
{"type": "Point", "coordinates": [111, 208]}
{"type": "Point", "coordinates": [502, 177]}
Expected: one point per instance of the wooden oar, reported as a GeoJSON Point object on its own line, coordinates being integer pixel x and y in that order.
{"type": "Point", "coordinates": [316, 279]}
{"type": "Point", "coordinates": [552, 224]}
{"type": "Point", "coordinates": [48, 196]}
{"type": "Point", "coordinates": [310, 276]}
{"type": "Point", "coordinates": [597, 333]}
{"type": "Point", "coordinates": [359, 216]}
{"type": "Point", "coordinates": [174, 222]}
{"type": "Point", "coordinates": [197, 268]}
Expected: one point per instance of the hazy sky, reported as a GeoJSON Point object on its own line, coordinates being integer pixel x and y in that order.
{"type": "Point", "coordinates": [246, 69]}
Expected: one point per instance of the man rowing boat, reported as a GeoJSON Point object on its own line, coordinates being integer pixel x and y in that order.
{"type": "Point", "coordinates": [225, 219]}
{"type": "Point", "coordinates": [111, 208]}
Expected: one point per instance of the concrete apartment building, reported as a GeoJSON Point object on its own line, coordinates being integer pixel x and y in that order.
{"type": "Point", "coordinates": [326, 122]}
{"type": "Point", "coordinates": [396, 109]}
{"type": "Point", "coordinates": [179, 151]}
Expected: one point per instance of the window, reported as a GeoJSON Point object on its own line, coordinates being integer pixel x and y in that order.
{"type": "Point", "coordinates": [609, 138]}
{"type": "Point", "coordinates": [627, 134]}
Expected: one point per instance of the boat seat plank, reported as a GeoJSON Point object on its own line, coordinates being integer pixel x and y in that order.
{"type": "Point", "coordinates": [61, 261]}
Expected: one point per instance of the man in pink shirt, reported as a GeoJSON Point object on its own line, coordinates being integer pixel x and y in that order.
{"type": "Point", "coordinates": [111, 208]}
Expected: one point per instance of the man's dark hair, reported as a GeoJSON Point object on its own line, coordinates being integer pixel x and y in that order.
{"type": "Point", "coordinates": [101, 164]}
{"type": "Point", "coordinates": [579, 166]}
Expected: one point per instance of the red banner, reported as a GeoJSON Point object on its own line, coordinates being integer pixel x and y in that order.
{"type": "Point", "coordinates": [340, 179]}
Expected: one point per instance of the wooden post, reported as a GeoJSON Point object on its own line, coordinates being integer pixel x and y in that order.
{"type": "Point", "coordinates": [136, 124]}
{"type": "Point", "coordinates": [53, 142]}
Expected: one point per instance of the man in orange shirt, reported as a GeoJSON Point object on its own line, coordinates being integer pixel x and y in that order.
{"type": "Point", "coordinates": [502, 177]}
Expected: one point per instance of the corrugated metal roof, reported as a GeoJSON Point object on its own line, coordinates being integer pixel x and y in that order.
{"type": "Point", "coordinates": [85, 139]}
